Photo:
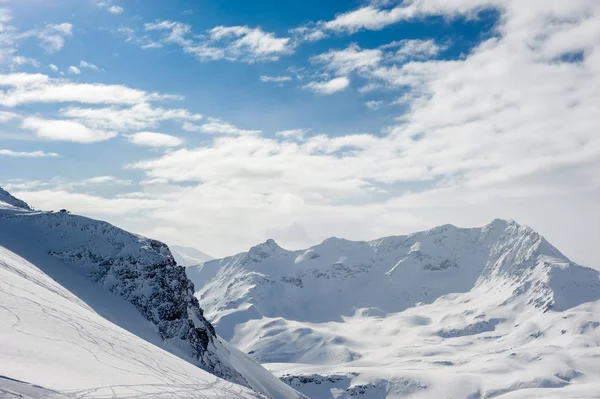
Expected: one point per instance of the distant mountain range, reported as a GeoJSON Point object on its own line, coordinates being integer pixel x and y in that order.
{"type": "Point", "coordinates": [383, 318]}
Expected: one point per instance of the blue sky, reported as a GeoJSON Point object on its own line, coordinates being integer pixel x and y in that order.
{"type": "Point", "coordinates": [218, 124]}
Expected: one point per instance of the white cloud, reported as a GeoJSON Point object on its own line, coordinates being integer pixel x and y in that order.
{"type": "Point", "coordinates": [28, 88]}
{"type": "Point", "coordinates": [85, 64]}
{"type": "Point", "coordinates": [233, 43]}
{"type": "Point", "coordinates": [52, 36]}
{"type": "Point", "coordinates": [31, 154]}
{"type": "Point", "coordinates": [275, 79]}
{"type": "Point", "coordinates": [18, 60]}
{"type": "Point", "coordinates": [308, 34]}
{"type": "Point", "coordinates": [136, 117]}
{"type": "Point", "coordinates": [23, 79]}
{"type": "Point", "coordinates": [62, 130]}
{"type": "Point", "coordinates": [7, 116]}
{"type": "Point", "coordinates": [330, 86]}
{"type": "Point", "coordinates": [376, 16]}
{"type": "Point", "coordinates": [217, 126]}
{"type": "Point", "coordinates": [53, 67]}
{"type": "Point", "coordinates": [73, 70]}
{"type": "Point", "coordinates": [88, 204]}
{"type": "Point", "coordinates": [251, 40]}
{"type": "Point", "coordinates": [152, 139]}
{"type": "Point", "coordinates": [293, 134]}
{"type": "Point", "coordinates": [103, 180]}
{"type": "Point", "coordinates": [415, 49]}
{"type": "Point", "coordinates": [115, 10]}
{"type": "Point", "coordinates": [374, 104]}
{"type": "Point", "coordinates": [349, 60]}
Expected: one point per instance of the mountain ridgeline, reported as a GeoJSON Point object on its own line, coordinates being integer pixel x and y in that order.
{"type": "Point", "coordinates": [138, 269]}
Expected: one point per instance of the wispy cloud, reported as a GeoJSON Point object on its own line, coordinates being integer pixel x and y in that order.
{"type": "Point", "coordinates": [292, 134]}
{"type": "Point", "coordinates": [275, 79]}
{"type": "Point", "coordinates": [73, 70]}
{"type": "Point", "coordinates": [25, 88]}
{"type": "Point", "coordinates": [115, 10]}
{"type": "Point", "coordinates": [152, 139]}
{"type": "Point", "coordinates": [64, 130]}
{"type": "Point", "coordinates": [329, 86]}
{"type": "Point", "coordinates": [218, 126]}
{"type": "Point", "coordinates": [233, 43]}
{"type": "Point", "coordinates": [31, 154]}
{"type": "Point", "coordinates": [51, 38]}
{"type": "Point", "coordinates": [85, 64]}
{"type": "Point", "coordinates": [374, 104]}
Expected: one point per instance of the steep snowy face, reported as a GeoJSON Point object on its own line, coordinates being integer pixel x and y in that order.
{"type": "Point", "coordinates": [136, 268]}
{"type": "Point", "coordinates": [143, 272]}
{"type": "Point", "coordinates": [54, 339]}
{"type": "Point", "coordinates": [7, 200]}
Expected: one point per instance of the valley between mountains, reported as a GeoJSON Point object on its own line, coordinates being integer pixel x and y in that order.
{"type": "Point", "coordinates": [89, 310]}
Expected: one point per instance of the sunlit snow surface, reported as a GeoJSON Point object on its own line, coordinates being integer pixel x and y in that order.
{"type": "Point", "coordinates": [51, 338]}
{"type": "Point", "coordinates": [447, 313]}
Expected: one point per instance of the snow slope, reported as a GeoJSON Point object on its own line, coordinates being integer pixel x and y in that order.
{"type": "Point", "coordinates": [126, 280]}
{"type": "Point", "coordinates": [471, 313]}
{"type": "Point", "coordinates": [186, 256]}
{"type": "Point", "coordinates": [52, 338]}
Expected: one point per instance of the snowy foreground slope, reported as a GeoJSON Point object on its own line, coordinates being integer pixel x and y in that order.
{"type": "Point", "coordinates": [446, 313]}
{"type": "Point", "coordinates": [90, 310]}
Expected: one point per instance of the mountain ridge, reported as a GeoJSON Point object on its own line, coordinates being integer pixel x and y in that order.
{"type": "Point", "coordinates": [143, 272]}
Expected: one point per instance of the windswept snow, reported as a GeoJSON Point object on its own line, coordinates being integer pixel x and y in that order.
{"type": "Point", "coordinates": [450, 312]}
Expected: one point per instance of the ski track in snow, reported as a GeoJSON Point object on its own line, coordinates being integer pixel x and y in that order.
{"type": "Point", "coordinates": [51, 338]}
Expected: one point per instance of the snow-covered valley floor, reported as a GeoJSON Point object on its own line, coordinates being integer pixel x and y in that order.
{"type": "Point", "coordinates": [454, 348]}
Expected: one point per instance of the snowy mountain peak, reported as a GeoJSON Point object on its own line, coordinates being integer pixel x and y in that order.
{"type": "Point", "coordinates": [7, 198]}
{"type": "Point", "coordinates": [264, 250]}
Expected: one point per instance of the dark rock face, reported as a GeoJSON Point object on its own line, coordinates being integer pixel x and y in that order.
{"type": "Point", "coordinates": [143, 272]}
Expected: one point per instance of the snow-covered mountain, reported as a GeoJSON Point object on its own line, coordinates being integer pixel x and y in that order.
{"type": "Point", "coordinates": [448, 312]}
{"type": "Point", "coordinates": [68, 280]}
{"type": "Point", "coordinates": [186, 256]}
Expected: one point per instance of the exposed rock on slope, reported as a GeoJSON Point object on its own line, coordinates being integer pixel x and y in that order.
{"type": "Point", "coordinates": [143, 272]}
